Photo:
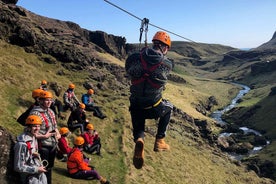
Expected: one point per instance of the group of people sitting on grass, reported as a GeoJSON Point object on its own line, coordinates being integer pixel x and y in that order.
{"type": "Point", "coordinates": [41, 142]}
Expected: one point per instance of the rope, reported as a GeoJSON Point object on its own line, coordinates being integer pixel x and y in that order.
{"type": "Point", "coordinates": [160, 28]}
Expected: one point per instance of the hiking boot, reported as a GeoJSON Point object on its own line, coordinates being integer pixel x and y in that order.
{"type": "Point", "coordinates": [138, 158]}
{"type": "Point", "coordinates": [160, 145]}
{"type": "Point", "coordinates": [103, 116]}
{"type": "Point", "coordinates": [104, 181]}
{"type": "Point", "coordinates": [99, 154]}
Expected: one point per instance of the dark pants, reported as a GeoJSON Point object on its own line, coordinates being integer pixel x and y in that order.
{"type": "Point", "coordinates": [96, 111]}
{"type": "Point", "coordinates": [48, 153]}
{"type": "Point", "coordinates": [73, 126]}
{"type": "Point", "coordinates": [95, 147]}
{"type": "Point", "coordinates": [89, 174]}
{"type": "Point", "coordinates": [56, 106]}
{"type": "Point", "coordinates": [73, 107]}
{"type": "Point", "coordinates": [139, 116]}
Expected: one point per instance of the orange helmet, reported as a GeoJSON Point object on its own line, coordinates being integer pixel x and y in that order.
{"type": "Point", "coordinates": [63, 130]}
{"type": "Point", "coordinates": [36, 93]}
{"type": "Point", "coordinates": [162, 37]}
{"type": "Point", "coordinates": [33, 120]}
{"type": "Point", "coordinates": [82, 105]}
{"type": "Point", "coordinates": [89, 126]}
{"type": "Point", "coordinates": [71, 86]}
{"type": "Point", "coordinates": [45, 94]}
{"type": "Point", "coordinates": [43, 82]}
{"type": "Point", "coordinates": [90, 91]}
{"type": "Point", "coordinates": [79, 141]}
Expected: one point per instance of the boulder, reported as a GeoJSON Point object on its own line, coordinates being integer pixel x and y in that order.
{"type": "Point", "coordinates": [7, 141]}
{"type": "Point", "coordinates": [272, 91]}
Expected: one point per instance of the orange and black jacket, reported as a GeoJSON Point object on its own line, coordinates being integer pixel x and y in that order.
{"type": "Point", "coordinates": [76, 162]}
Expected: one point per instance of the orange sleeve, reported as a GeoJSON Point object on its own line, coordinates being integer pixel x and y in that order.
{"type": "Point", "coordinates": [82, 165]}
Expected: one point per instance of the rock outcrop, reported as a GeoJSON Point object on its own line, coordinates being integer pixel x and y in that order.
{"type": "Point", "coordinates": [10, 1]}
{"type": "Point", "coordinates": [7, 141]}
{"type": "Point", "coordinates": [270, 44]}
{"type": "Point", "coordinates": [263, 67]}
{"type": "Point", "coordinates": [66, 41]}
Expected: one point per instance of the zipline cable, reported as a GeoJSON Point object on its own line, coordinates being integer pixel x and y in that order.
{"type": "Point", "coordinates": [148, 23]}
{"type": "Point", "coordinates": [159, 27]}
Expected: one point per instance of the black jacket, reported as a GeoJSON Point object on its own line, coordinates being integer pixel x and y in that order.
{"type": "Point", "coordinates": [147, 82]}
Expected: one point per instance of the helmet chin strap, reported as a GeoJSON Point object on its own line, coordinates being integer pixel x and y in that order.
{"type": "Point", "coordinates": [161, 48]}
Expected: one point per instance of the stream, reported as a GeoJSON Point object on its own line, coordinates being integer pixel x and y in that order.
{"type": "Point", "coordinates": [217, 116]}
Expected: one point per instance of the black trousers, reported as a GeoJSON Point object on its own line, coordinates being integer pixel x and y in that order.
{"type": "Point", "coordinates": [48, 153]}
{"type": "Point", "coordinates": [139, 116]}
{"type": "Point", "coordinates": [96, 111]}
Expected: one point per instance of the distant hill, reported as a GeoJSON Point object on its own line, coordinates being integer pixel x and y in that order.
{"type": "Point", "coordinates": [271, 44]}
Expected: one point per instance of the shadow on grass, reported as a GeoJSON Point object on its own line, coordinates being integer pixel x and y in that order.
{"type": "Point", "coordinates": [61, 171]}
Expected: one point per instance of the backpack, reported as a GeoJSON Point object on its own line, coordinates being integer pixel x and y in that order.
{"type": "Point", "coordinates": [22, 118]}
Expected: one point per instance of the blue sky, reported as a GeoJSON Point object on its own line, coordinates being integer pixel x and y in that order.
{"type": "Point", "coordinates": [236, 23]}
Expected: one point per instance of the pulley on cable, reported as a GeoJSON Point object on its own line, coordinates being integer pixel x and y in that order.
{"type": "Point", "coordinates": [143, 28]}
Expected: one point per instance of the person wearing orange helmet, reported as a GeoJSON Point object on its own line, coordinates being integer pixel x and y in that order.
{"type": "Point", "coordinates": [56, 104]}
{"type": "Point", "coordinates": [92, 140]}
{"type": "Point", "coordinates": [78, 168]}
{"type": "Point", "coordinates": [70, 100]}
{"type": "Point", "coordinates": [90, 104]}
{"type": "Point", "coordinates": [77, 119]}
{"type": "Point", "coordinates": [27, 161]}
{"type": "Point", "coordinates": [22, 118]}
{"type": "Point", "coordinates": [48, 135]}
{"type": "Point", "coordinates": [148, 71]}
{"type": "Point", "coordinates": [63, 144]}
{"type": "Point", "coordinates": [43, 85]}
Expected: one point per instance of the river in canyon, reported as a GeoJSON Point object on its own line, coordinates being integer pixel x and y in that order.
{"type": "Point", "coordinates": [217, 116]}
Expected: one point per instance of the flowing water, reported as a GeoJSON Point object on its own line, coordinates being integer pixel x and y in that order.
{"type": "Point", "coordinates": [217, 116]}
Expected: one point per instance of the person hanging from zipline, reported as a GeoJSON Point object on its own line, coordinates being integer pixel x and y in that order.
{"type": "Point", "coordinates": [148, 71]}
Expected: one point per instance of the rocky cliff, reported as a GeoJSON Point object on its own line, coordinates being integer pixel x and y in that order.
{"type": "Point", "coordinates": [270, 44]}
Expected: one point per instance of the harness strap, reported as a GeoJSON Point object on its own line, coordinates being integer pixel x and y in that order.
{"type": "Point", "coordinates": [29, 147]}
{"type": "Point", "coordinates": [45, 119]}
{"type": "Point", "coordinates": [154, 105]}
{"type": "Point", "coordinates": [70, 94]}
{"type": "Point", "coordinates": [147, 73]}
{"type": "Point", "coordinates": [52, 117]}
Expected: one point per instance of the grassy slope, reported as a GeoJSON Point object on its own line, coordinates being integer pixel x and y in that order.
{"type": "Point", "coordinates": [188, 162]}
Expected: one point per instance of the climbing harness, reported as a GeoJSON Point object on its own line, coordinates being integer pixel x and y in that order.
{"type": "Point", "coordinates": [147, 76]}
{"type": "Point", "coordinates": [154, 105]}
{"type": "Point", "coordinates": [144, 28]}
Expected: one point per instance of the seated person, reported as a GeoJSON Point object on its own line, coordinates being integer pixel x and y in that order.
{"type": "Point", "coordinates": [78, 168]}
{"type": "Point", "coordinates": [63, 145]}
{"type": "Point", "coordinates": [90, 104]}
{"type": "Point", "coordinates": [92, 140]}
{"type": "Point", "coordinates": [70, 100]}
{"type": "Point", "coordinates": [77, 119]}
